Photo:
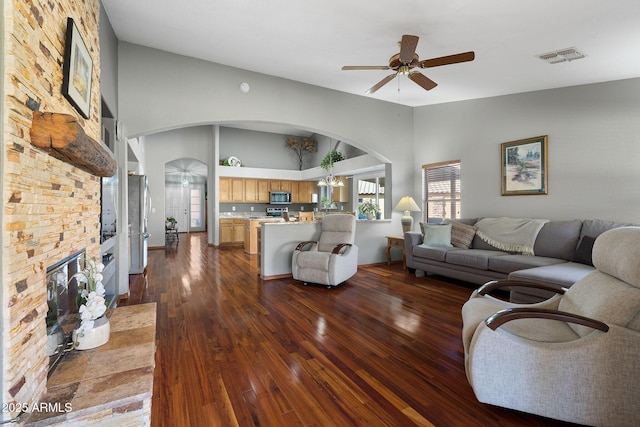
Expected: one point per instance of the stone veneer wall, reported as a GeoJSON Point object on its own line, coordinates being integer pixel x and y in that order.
{"type": "Point", "coordinates": [50, 208]}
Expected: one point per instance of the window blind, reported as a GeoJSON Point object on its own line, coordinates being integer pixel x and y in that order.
{"type": "Point", "coordinates": [441, 191]}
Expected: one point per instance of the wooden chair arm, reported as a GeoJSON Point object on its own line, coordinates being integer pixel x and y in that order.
{"type": "Point", "coordinates": [503, 283]}
{"type": "Point", "coordinates": [503, 316]}
{"type": "Point", "coordinates": [303, 244]}
{"type": "Point", "coordinates": [338, 248]}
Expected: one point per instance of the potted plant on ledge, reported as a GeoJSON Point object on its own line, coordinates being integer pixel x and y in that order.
{"type": "Point", "coordinates": [331, 157]}
{"type": "Point", "coordinates": [369, 209]}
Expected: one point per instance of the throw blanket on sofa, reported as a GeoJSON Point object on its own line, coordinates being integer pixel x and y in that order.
{"type": "Point", "coordinates": [511, 234]}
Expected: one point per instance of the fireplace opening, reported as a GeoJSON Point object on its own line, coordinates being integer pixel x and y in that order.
{"type": "Point", "coordinates": [62, 315]}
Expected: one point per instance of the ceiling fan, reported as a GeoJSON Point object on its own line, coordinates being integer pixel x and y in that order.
{"type": "Point", "coordinates": [405, 61]}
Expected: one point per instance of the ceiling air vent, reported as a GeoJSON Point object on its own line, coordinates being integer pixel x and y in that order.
{"type": "Point", "coordinates": [562, 55]}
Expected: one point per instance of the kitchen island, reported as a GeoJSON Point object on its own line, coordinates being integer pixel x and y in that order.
{"type": "Point", "coordinates": [251, 232]}
{"type": "Point", "coordinates": [278, 241]}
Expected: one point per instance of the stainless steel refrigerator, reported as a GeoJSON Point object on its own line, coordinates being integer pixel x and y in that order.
{"type": "Point", "coordinates": [139, 208]}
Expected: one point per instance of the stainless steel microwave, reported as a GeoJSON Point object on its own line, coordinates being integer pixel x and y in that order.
{"type": "Point", "coordinates": [279, 198]}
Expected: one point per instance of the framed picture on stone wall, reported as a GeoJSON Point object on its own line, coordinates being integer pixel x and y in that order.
{"type": "Point", "coordinates": [524, 166]}
{"type": "Point", "coordinates": [77, 71]}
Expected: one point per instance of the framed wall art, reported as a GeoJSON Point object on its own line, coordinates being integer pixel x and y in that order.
{"type": "Point", "coordinates": [524, 166]}
{"type": "Point", "coordinates": [77, 71]}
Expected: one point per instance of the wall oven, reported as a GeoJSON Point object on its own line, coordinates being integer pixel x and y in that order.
{"type": "Point", "coordinates": [279, 198]}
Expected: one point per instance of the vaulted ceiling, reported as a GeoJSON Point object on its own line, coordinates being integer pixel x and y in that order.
{"type": "Point", "coordinates": [309, 41]}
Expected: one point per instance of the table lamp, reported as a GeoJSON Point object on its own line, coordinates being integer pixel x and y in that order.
{"type": "Point", "coordinates": [407, 205]}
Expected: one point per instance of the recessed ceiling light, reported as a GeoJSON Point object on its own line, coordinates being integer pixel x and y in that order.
{"type": "Point", "coordinates": [563, 55]}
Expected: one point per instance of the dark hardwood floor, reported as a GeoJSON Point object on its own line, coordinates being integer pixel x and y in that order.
{"type": "Point", "coordinates": [384, 349]}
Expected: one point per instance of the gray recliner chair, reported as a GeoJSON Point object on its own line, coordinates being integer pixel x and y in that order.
{"type": "Point", "coordinates": [574, 357]}
{"type": "Point", "coordinates": [332, 259]}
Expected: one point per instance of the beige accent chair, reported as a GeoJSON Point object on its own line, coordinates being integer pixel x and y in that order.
{"type": "Point", "coordinates": [574, 357]}
{"type": "Point", "coordinates": [332, 259]}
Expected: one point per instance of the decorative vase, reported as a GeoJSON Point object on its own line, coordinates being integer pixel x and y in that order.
{"type": "Point", "coordinates": [370, 216]}
{"type": "Point", "coordinates": [96, 337]}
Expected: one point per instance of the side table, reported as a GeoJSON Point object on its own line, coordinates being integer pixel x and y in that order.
{"type": "Point", "coordinates": [395, 242]}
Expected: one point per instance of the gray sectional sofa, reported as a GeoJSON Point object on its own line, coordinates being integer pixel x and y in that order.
{"type": "Point", "coordinates": [562, 255]}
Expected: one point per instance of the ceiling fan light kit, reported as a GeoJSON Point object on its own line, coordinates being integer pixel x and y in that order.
{"type": "Point", "coordinates": [406, 60]}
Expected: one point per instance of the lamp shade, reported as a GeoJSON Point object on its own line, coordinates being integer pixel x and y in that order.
{"type": "Point", "coordinates": [407, 204]}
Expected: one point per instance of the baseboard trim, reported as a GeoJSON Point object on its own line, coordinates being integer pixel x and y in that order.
{"type": "Point", "coordinates": [277, 276]}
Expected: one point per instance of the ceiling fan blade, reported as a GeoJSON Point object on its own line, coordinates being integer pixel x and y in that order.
{"type": "Point", "coordinates": [446, 60]}
{"type": "Point", "coordinates": [381, 83]}
{"type": "Point", "coordinates": [365, 67]}
{"type": "Point", "coordinates": [422, 80]}
{"type": "Point", "coordinates": [408, 48]}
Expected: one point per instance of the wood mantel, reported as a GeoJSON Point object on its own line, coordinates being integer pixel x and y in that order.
{"type": "Point", "coordinates": [64, 138]}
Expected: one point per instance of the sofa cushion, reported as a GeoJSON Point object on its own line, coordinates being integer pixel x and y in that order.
{"type": "Point", "coordinates": [595, 227]}
{"type": "Point", "coordinates": [563, 274]}
{"type": "Point", "coordinates": [436, 253]}
{"type": "Point", "coordinates": [467, 221]}
{"type": "Point", "coordinates": [558, 239]}
{"type": "Point", "coordinates": [475, 258]}
{"type": "Point", "coordinates": [462, 234]}
{"type": "Point", "coordinates": [509, 263]}
{"type": "Point", "coordinates": [583, 251]}
{"type": "Point", "coordinates": [478, 243]}
{"type": "Point", "coordinates": [436, 234]}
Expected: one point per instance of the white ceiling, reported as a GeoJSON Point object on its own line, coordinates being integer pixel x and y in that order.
{"type": "Point", "coordinates": [309, 41]}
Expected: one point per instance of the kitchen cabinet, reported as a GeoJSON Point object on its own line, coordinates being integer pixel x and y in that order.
{"type": "Point", "coordinates": [232, 231]}
{"type": "Point", "coordinates": [341, 194]}
{"type": "Point", "coordinates": [256, 190]}
{"type": "Point", "coordinates": [295, 192]}
{"type": "Point", "coordinates": [306, 189]}
{"type": "Point", "coordinates": [238, 231]}
{"type": "Point", "coordinates": [280, 185]}
{"type": "Point", "coordinates": [251, 229]}
{"type": "Point", "coordinates": [231, 190]}
{"type": "Point", "coordinates": [224, 189]}
{"type": "Point", "coordinates": [250, 189]}
{"type": "Point", "coordinates": [285, 185]}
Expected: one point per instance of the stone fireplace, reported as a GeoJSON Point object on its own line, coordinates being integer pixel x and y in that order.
{"type": "Point", "coordinates": [62, 308]}
{"type": "Point", "coordinates": [50, 208]}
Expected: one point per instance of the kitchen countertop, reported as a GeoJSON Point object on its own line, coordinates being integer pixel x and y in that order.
{"type": "Point", "coordinates": [247, 216]}
{"type": "Point", "coordinates": [233, 215]}
{"type": "Point", "coordinates": [319, 220]}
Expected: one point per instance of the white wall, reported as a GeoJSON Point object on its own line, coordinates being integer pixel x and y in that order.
{"type": "Point", "coordinates": [160, 148]}
{"type": "Point", "coordinates": [163, 91]}
{"type": "Point", "coordinates": [160, 91]}
{"type": "Point", "coordinates": [593, 131]}
{"type": "Point", "coordinates": [108, 63]}
{"type": "Point", "coordinates": [594, 150]}
{"type": "Point", "coordinates": [260, 149]}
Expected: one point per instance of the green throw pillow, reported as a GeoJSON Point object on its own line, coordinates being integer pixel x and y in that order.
{"type": "Point", "coordinates": [436, 234]}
